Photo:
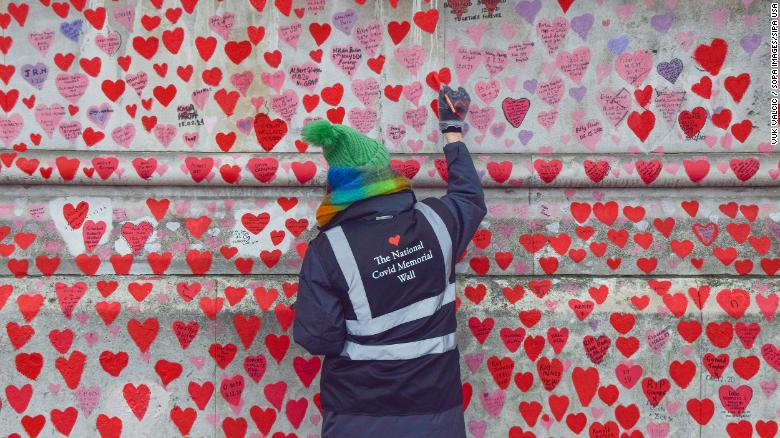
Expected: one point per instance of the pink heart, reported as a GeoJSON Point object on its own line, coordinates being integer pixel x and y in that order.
{"type": "Point", "coordinates": [506, 230]}
{"type": "Point", "coordinates": [72, 86]}
{"type": "Point", "coordinates": [725, 142]}
{"type": "Point", "coordinates": [634, 67]}
{"type": "Point", "coordinates": [291, 33]}
{"type": "Point", "coordinates": [574, 63]}
{"type": "Point", "coordinates": [602, 71]}
{"type": "Point", "coordinates": [510, 82]}
{"type": "Point", "coordinates": [546, 150]}
{"type": "Point", "coordinates": [588, 133]}
{"type": "Point", "coordinates": [488, 90]}
{"type": "Point", "coordinates": [108, 43]}
{"type": "Point", "coordinates": [768, 387]}
{"type": "Point", "coordinates": [658, 430]}
{"type": "Point", "coordinates": [276, 79]}
{"type": "Point", "coordinates": [41, 41]}
{"type": "Point", "coordinates": [257, 102]}
{"type": "Point", "coordinates": [466, 62]}
{"type": "Point", "coordinates": [91, 338]}
{"type": "Point", "coordinates": [476, 31]}
{"type": "Point", "coordinates": [492, 402]}
{"type": "Point", "coordinates": [521, 268]}
{"type": "Point", "coordinates": [413, 91]}
{"type": "Point", "coordinates": [410, 57]}
{"type": "Point", "coordinates": [624, 11]}
{"type": "Point", "coordinates": [82, 317]}
{"type": "Point", "coordinates": [685, 39]}
{"type": "Point", "coordinates": [369, 35]}
{"type": "Point", "coordinates": [477, 428]}
{"type": "Point", "coordinates": [474, 361]}
{"type": "Point", "coordinates": [10, 127]}
{"type": "Point", "coordinates": [508, 31]}
{"type": "Point", "coordinates": [222, 24]}
{"type": "Point", "coordinates": [719, 17]}
{"type": "Point", "coordinates": [497, 210]}
{"type": "Point", "coordinates": [415, 145]}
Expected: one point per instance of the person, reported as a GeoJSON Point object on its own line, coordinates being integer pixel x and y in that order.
{"type": "Point", "coordinates": [376, 291]}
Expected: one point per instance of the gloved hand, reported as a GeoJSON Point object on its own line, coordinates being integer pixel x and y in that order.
{"type": "Point", "coordinates": [453, 107]}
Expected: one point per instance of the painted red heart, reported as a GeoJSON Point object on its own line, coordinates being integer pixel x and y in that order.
{"type": "Point", "coordinates": [711, 57]}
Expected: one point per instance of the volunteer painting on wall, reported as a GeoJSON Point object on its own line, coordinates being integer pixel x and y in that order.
{"type": "Point", "coordinates": [377, 288]}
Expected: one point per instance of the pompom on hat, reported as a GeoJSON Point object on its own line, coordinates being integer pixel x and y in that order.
{"type": "Point", "coordinates": [343, 146]}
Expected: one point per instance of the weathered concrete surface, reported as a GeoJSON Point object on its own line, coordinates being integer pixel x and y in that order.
{"type": "Point", "coordinates": [587, 119]}
{"type": "Point", "coordinates": [189, 319]}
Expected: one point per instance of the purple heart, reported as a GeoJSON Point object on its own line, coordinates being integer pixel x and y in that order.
{"type": "Point", "coordinates": [578, 93]}
{"type": "Point", "coordinates": [465, 128]}
{"type": "Point", "coordinates": [530, 85]}
{"type": "Point", "coordinates": [525, 136]}
{"type": "Point", "coordinates": [528, 9]}
{"type": "Point", "coordinates": [345, 20]}
{"type": "Point", "coordinates": [750, 43]}
{"type": "Point", "coordinates": [773, 228]}
{"type": "Point", "coordinates": [618, 44]}
{"type": "Point", "coordinates": [99, 114]}
{"type": "Point", "coordinates": [245, 125]}
{"type": "Point", "coordinates": [594, 324]}
{"type": "Point", "coordinates": [498, 129]}
{"type": "Point", "coordinates": [35, 75]}
{"type": "Point", "coordinates": [71, 30]}
{"type": "Point", "coordinates": [670, 70]}
{"type": "Point", "coordinates": [662, 22]}
{"type": "Point", "coordinates": [581, 25]}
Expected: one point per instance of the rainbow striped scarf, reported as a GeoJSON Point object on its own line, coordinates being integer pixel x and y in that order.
{"type": "Point", "coordinates": [346, 185]}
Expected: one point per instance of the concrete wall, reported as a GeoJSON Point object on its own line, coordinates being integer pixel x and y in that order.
{"type": "Point", "coordinates": [157, 203]}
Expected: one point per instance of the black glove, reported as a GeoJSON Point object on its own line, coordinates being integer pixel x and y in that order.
{"type": "Point", "coordinates": [453, 107]}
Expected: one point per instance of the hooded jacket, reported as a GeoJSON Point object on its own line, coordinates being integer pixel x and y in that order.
{"type": "Point", "coordinates": [392, 380]}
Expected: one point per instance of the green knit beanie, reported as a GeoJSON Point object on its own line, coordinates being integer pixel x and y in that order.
{"type": "Point", "coordinates": [342, 146]}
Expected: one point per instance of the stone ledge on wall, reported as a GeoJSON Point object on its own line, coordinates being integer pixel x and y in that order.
{"type": "Point", "coordinates": [251, 231]}
{"type": "Point", "coordinates": [425, 170]}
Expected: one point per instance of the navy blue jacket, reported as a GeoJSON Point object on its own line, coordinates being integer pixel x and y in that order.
{"type": "Point", "coordinates": [353, 387]}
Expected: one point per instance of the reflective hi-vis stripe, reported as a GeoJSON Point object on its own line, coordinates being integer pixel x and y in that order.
{"type": "Point", "coordinates": [406, 350]}
{"type": "Point", "coordinates": [442, 235]}
{"type": "Point", "coordinates": [348, 265]}
{"type": "Point", "coordinates": [412, 312]}
{"type": "Point", "coordinates": [365, 325]}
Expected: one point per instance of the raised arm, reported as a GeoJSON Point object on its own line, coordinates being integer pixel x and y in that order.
{"type": "Point", "coordinates": [465, 196]}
